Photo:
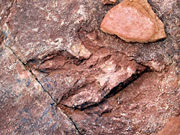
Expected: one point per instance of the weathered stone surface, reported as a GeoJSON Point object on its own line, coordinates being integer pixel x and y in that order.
{"type": "Point", "coordinates": [73, 68]}
{"type": "Point", "coordinates": [80, 84]}
{"type": "Point", "coordinates": [5, 6]}
{"type": "Point", "coordinates": [41, 26]}
{"type": "Point", "coordinates": [109, 1]}
{"type": "Point", "coordinates": [63, 45]}
{"type": "Point", "coordinates": [24, 107]}
{"type": "Point", "coordinates": [133, 21]}
{"type": "Point", "coordinates": [41, 35]}
{"type": "Point", "coordinates": [172, 127]}
{"type": "Point", "coordinates": [142, 108]}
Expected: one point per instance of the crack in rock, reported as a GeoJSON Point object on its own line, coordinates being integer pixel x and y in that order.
{"type": "Point", "coordinates": [25, 107]}
{"type": "Point", "coordinates": [79, 66]}
{"type": "Point", "coordinates": [27, 68]}
{"type": "Point", "coordinates": [78, 82]}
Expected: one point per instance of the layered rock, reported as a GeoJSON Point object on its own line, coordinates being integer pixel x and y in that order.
{"type": "Point", "coordinates": [143, 107]}
{"type": "Point", "coordinates": [103, 83]}
{"type": "Point", "coordinates": [133, 21]}
{"type": "Point", "coordinates": [81, 84]}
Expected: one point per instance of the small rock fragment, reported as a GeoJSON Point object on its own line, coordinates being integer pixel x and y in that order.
{"type": "Point", "coordinates": [109, 1]}
{"type": "Point", "coordinates": [80, 51]}
{"type": "Point", "coordinates": [133, 21]}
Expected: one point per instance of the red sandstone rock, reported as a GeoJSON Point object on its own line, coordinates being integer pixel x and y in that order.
{"type": "Point", "coordinates": [37, 42]}
{"type": "Point", "coordinates": [5, 7]}
{"type": "Point", "coordinates": [86, 88]}
{"type": "Point", "coordinates": [61, 42]}
{"type": "Point", "coordinates": [143, 108]}
{"type": "Point", "coordinates": [109, 1]}
{"type": "Point", "coordinates": [133, 21]}
{"type": "Point", "coordinates": [172, 127]}
{"type": "Point", "coordinates": [24, 106]}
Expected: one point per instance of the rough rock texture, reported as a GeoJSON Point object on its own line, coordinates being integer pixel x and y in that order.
{"type": "Point", "coordinates": [38, 33]}
{"type": "Point", "coordinates": [133, 21]}
{"type": "Point", "coordinates": [103, 84]}
{"type": "Point", "coordinates": [24, 107]}
{"type": "Point", "coordinates": [172, 127]}
{"type": "Point", "coordinates": [81, 84]}
{"type": "Point", "coordinates": [109, 1]}
{"type": "Point", "coordinates": [141, 108]}
{"type": "Point", "coordinates": [5, 6]}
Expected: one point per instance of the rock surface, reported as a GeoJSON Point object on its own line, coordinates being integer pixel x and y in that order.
{"type": "Point", "coordinates": [141, 108]}
{"type": "Point", "coordinates": [81, 84]}
{"type": "Point", "coordinates": [97, 83]}
{"type": "Point", "coordinates": [133, 21]}
{"type": "Point", "coordinates": [5, 7]}
{"type": "Point", "coordinates": [172, 127]}
{"type": "Point", "coordinates": [24, 107]}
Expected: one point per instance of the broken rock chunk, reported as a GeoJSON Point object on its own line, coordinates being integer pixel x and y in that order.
{"type": "Point", "coordinates": [133, 21]}
{"type": "Point", "coordinates": [108, 1]}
